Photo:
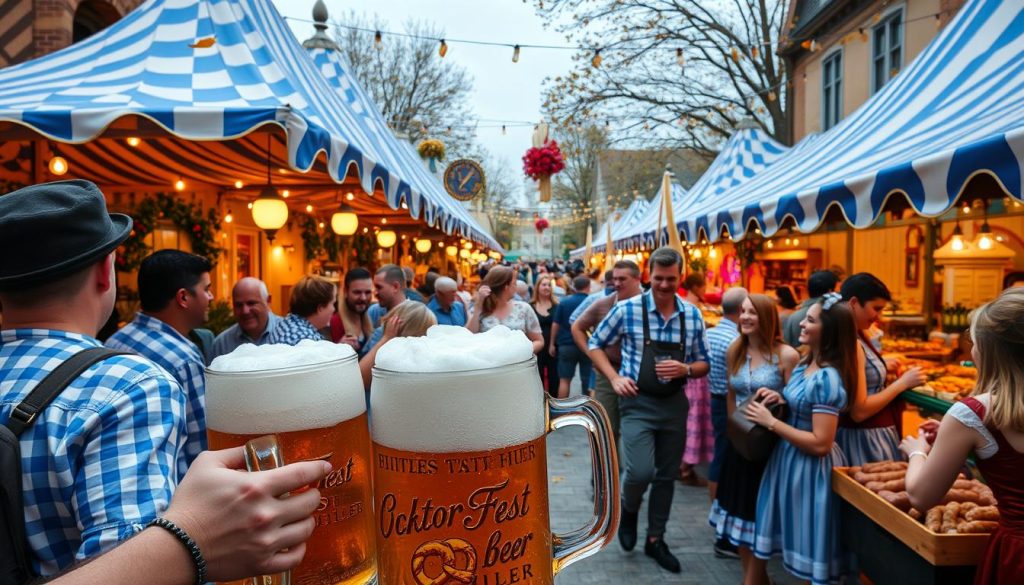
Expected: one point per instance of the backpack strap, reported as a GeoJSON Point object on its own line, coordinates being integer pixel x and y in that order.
{"type": "Point", "coordinates": [25, 413]}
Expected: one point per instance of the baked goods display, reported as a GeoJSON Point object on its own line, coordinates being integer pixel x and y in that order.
{"type": "Point", "coordinates": [949, 382]}
{"type": "Point", "coordinates": [909, 346]}
{"type": "Point", "coordinates": [968, 508]}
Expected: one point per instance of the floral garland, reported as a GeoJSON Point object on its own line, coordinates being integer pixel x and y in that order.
{"type": "Point", "coordinates": [540, 163]}
{"type": "Point", "coordinates": [187, 217]}
{"type": "Point", "coordinates": [431, 150]}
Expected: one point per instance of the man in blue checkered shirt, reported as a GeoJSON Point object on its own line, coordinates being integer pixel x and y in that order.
{"type": "Point", "coordinates": [652, 405]}
{"type": "Point", "coordinates": [99, 462]}
{"type": "Point", "coordinates": [174, 290]}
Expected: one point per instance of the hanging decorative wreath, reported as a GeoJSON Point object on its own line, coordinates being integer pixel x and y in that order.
{"type": "Point", "coordinates": [431, 150]}
{"type": "Point", "coordinates": [188, 217]}
{"type": "Point", "coordinates": [541, 224]}
{"type": "Point", "coordinates": [540, 162]}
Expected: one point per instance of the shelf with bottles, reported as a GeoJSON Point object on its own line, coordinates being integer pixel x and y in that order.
{"type": "Point", "coordinates": [955, 318]}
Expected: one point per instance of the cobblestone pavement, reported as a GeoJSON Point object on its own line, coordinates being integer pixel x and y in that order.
{"type": "Point", "coordinates": [689, 536]}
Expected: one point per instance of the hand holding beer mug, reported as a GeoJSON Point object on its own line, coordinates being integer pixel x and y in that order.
{"type": "Point", "coordinates": [460, 466]}
{"type": "Point", "coordinates": [310, 397]}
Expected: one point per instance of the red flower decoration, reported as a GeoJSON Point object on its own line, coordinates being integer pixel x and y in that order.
{"type": "Point", "coordinates": [544, 161]}
{"type": "Point", "coordinates": [541, 225]}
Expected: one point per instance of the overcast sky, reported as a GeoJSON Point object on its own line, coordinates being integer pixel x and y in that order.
{"type": "Point", "coordinates": [502, 90]}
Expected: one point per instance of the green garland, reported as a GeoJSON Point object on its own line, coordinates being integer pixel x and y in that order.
{"type": "Point", "coordinates": [326, 243]}
{"type": "Point", "coordinates": [202, 228]}
{"type": "Point", "coordinates": [311, 238]}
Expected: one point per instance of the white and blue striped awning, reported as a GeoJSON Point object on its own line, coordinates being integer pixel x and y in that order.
{"type": "Point", "coordinates": [215, 71]}
{"type": "Point", "coordinates": [955, 112]}
{"type": "Point", "coordinates": [453, 217]}
{"type": "Point", "coordinates": [622, 222]}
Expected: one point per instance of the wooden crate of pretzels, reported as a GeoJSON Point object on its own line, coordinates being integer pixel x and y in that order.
{"type": "Point", "coordinates": [953, 533]}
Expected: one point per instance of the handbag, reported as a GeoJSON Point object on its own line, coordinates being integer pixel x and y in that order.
{"type": "Point", "coordinates": [752, 441]}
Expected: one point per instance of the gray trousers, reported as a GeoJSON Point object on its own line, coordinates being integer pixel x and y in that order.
{"type": "Point", "coordinates": [653, 438]}
{"type": "Point", "coordinates": [605, 395]}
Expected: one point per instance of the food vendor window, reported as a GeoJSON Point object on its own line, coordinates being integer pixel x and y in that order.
{"type": "Point", "coordinates": [831, 90]}
{"type": "Point", "coordinates": [886, 49]}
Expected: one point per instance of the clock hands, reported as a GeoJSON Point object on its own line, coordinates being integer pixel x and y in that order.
{"type": "Point", "coordinates": [465, 179]}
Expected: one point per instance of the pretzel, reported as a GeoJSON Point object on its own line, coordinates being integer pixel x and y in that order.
{"type": "Point", "coordinates": [950, 518]}
{"type": "Point", "coordinates": [433, 548]}
{"type": "Point", "coordinates": [933, 520]}
{"type": "Point", "coordinates": [977, 527]}
{"type": "Point", "coordinates": [464, 576]}
{"type": "Point", "coordinates": [990, 513]}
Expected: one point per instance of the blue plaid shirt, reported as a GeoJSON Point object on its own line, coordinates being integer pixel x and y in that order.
{"type": "Point", "coordinates": [99, 462]}
{"type": "Point", "coordinates": [720, 337]}
{"type": "Point", "coordinates": [293, 329]}
{"type": "Point", "coordinates": [163, 345]}
{"type": "Point", "coordinates": [624, 324]}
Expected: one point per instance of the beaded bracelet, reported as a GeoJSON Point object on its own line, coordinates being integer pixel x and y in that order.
{"type": "Point", "coordinates": [190, 546]}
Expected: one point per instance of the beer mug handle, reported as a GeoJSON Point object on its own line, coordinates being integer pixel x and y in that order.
{"type": "Point", "coordinates": [588, 540]}
{"type": "Point", "coordinates": [261, 454]}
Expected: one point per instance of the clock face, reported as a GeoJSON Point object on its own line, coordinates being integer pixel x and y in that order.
{"type": "Point", "coordinates": [464, 179]}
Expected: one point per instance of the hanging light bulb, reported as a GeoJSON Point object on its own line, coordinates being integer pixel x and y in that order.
{"type": "Point", "coordinates": [504, 131]}
{"type": "Point", "coordinates": [680, 57]}
{"type": "Point", "coordinates": [596, 61]}
{"type": "Point", "coordinates": [713, 253]}
{"type": "Point", "coordinates": [443, 49]}
{"type": "Point", "coordinates": [309, 208]}
{"type": "Point", "coordinates": [451, 251]}
{"type": "Point", "coordinates": [179, 185]}
{"type": "Point", "coordinates": [423, 245]}
{"type": "Point", "coordinates": [239, 184]}
{"type": "Point", "coordinates": [286, 193]}
{"type": "Point", "coordinates": [249, 205]}
{"type": "Point", "coordinates": [697, 253]}
{"type": "Point", "coordinates": [515, 54]}
{"type": "Point", "coordinates": [796, 241]}
{"type": "Point", "coordinates": [378, 41]}
{"type": "Point", "coordinates": [229, 217]}
{"type": "Point", "coordinates": [383, 221]}
{"type": "Point", "coordinates": [958, 238]}
{"type": "Point", "coordinates": [769, 244]}
{"type": "Point", "coordinates": [386, 238]}
{"type": "Point", "coordinates": [133, 141]}
{"type": "Point", "coordinates": [269, 211]}
{"type": "Point", "coordinates": [350, 196]}
{"type": "Point", "coordinates": [58, 165]}
{"type": "Point", "coordinates": [345, 222]}
{"type": "Point", "coordinates": [464, 254]}
{"type": "Point", "coordinates": [985, 237]}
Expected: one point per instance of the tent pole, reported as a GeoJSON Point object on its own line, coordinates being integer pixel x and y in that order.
{"type": "Point", "coordinates": [930, 240]}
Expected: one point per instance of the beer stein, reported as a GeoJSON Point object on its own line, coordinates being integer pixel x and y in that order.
{"type": "Point", "coordinates": [460, 476]}
{"type": "Point", "coordinates": [315, 410]}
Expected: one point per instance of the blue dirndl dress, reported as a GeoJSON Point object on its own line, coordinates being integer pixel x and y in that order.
{"type": "Point", "coordinates": [797, 513]}
{"type": "Point", "coordinates": [869, 442]}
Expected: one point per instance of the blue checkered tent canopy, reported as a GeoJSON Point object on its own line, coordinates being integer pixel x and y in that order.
{"type": "Point", "coordinates": [332, 66]}
{"type": "Point", "coordinates": [199, 79]}
{"type": "Point", "coordinates": [646, 221]}
{"type": "Point", "coordinates": [957, 111]}
{"type": "Point", "coordinates": [623, 222]}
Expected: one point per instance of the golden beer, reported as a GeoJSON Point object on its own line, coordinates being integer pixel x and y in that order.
{"type": "Point", "coordinates": [315, 411]}
{"type": "Point", "coordinates": [460, 470]}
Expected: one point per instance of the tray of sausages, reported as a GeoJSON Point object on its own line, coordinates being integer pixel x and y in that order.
{"type": "Point", "coordinates": [952, 533]}
{"type": "Point", "coordinates": [968, 508]}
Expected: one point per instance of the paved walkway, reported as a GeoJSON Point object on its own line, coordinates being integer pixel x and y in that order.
{"type": "Point", "coordinates": [688, 536]}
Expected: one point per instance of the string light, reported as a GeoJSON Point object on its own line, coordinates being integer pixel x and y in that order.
{"type": "Point", "coordinates": [378, 41]}
{"type": "Point", "coordinates": [179, 185]}
{"type": "Point", "coordinates": [239, 184]}
{"type": "Point", "coordinates": [680, 57]}
{"type": "Point", "coordinates": [309, 208]}
{"type": "Point", "coordinates": [286, 193]}
{"type": "Point", "coordinates": [59, 165]}
{"type": "Point", "coordinates": [504, 131]}
{"type": "Point", "coordinates": [515, 54]}
{"type": "Point", "coordinates": [443, 49]}
{"type": "Point", "coordinates": [350, 196]}
{"type": "Point", "coordinates": [596, 61]}
{"type": "Point", "coordinates": [229, 217]}
{"type": "Point", "coordinates": [133, 141]}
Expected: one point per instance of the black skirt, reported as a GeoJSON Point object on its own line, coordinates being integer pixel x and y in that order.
{"type": "Point", "coordinates": [738, 485]}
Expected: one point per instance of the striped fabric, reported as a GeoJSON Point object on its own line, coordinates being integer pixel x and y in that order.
{"type": "Point", "coordinates": [869, 445]}
{"type": "Point", "coordinates": [748, 152]}
{"type": "Point", "coordinates": [254, 73]}
{"type": "Point", "coordinates": [957, 110]}
{"type": "Point", "coordinates": [622, 226]}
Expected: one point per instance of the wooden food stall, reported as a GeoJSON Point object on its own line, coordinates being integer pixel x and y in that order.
{"type": "Point", "coordinates": [899, 546]}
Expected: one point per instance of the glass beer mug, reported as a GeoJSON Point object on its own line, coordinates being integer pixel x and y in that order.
{"type": "Point", "coordinates": [311, 398]}
{"type": "Point", "coordinates": [460, 465]}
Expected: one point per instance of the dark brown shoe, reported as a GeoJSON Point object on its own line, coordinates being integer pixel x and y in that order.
{"type": "Point", "coordinates": [691, 478]}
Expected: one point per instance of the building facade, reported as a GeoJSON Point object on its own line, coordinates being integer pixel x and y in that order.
{"type": "Point", "coordinates": [841, 52]}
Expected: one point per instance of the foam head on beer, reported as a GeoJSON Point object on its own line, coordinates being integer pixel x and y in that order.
{"type": "Point", "coordinates": [453, 390]}
{"type": "Point", "coordinates": [282, 388]}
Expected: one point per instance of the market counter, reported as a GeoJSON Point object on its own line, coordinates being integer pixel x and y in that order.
{"type": "Point", "coordinates": [894, 549]}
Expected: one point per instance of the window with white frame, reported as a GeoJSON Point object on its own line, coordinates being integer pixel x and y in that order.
{"type": "Point", "coordinates": [831, 90]}
{"type": "Point", "coordinates": [887, 49]}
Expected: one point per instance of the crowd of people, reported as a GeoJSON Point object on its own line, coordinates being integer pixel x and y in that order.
{"type": "Point", "coordinates": [122, 450]}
